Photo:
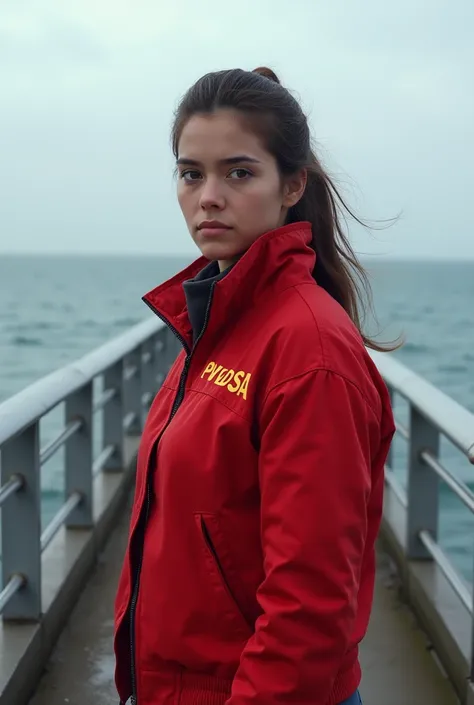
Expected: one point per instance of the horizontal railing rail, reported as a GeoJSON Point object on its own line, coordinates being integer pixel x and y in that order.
{"type": "Point", "coordinates": [432, 415]}
{"type": "Point", "coordinates": [131, 368]}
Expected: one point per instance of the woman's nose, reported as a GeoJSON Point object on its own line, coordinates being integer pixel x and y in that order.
{"type": "Point", "coordinates": [211, 195]}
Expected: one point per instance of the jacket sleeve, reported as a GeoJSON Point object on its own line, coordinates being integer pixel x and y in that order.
{"type": "Point", "coordinates": [315, 476]}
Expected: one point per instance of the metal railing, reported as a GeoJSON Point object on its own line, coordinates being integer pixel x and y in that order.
{"type": "Point", "coordinates": [432, 416]}
{"type": "Point", "coordinates": [131, 369]}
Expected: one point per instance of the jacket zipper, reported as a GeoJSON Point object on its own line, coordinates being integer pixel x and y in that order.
{"type": "Point", "coordinates": [142, 523]}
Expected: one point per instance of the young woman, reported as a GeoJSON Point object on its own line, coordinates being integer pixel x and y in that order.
{"type": "Point", "coordinates": [249, 574]}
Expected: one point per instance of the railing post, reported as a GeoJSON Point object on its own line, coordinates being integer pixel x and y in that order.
{"type": "Point", "coordinates": [79, 456]}
{"type": "Point", "coordinates": [21, 525]}
{"type": "Point", "coordinates": [422, 485]}
{"type": "Point", "coordinates": [113, 413]}
{"type": "Point", "coordinates": [133, 392]}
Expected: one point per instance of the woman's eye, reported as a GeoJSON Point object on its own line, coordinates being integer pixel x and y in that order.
{"type": "Point", "coordinates": [190, 175]}
{"type": "Point", "coordinates": [239, 174]}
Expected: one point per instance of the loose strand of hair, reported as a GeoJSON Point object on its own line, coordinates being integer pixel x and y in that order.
{"type": "Point", "coordinates": [338, 269]}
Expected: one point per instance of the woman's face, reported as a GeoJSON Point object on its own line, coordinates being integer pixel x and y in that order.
{"type": "Point", "coordinates": [229, 187]}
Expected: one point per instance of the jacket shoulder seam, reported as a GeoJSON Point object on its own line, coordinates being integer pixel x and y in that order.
{"type": "Point", "coordinates": [324, 368]}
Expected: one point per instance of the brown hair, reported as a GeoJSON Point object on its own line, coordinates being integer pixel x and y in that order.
{"type": "Point", "coordinates": [279, 120]}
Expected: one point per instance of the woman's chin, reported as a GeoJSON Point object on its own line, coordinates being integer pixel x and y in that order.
{"type": "Point", "coordinates": [218, 251]}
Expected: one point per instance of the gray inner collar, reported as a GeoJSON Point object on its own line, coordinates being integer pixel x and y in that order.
{"type": "Point", "coordinates": [197, 292]}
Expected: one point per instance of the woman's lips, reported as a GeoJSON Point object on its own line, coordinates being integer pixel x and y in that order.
{"type": "Point", "coordinates": [213, 231]}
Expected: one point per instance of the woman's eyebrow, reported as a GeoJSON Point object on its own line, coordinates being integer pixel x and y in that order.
{"type": "Point", "coordinates": [229, 160]}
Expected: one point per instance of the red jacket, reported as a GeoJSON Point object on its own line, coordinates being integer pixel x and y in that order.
{"type": "Point", "coordinates": [258, 496]}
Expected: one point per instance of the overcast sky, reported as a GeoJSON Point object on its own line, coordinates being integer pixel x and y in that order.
{"type": "Point", "coordinates": [88, 89]}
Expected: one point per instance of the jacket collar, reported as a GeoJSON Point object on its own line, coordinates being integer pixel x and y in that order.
{"type": "Point", "coordinates": [276, 261]}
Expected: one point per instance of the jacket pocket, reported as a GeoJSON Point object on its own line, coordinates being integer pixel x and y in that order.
{"type": "Point", "coordinates": [212, 544]}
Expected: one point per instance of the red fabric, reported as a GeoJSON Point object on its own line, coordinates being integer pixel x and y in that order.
{"type": "Point", "coordinates": [267, 485]}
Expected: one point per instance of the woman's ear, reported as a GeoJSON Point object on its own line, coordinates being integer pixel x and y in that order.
{"type": "Point", "coordinates": [294, 188]}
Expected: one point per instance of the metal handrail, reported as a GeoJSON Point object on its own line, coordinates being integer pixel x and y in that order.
{"type": "Point", "coordinates": [127, 368]}
{"type": "Point", "coordinates": [433, 415]}
{"type": "Point", "coordinates": [23, 409]}
{"type": "Point", "coordinates": [59, 518]}
{"type": "Point", "coordinates": [14, 484]}
{"type": "Point", "coordinates": [402, 430]}
{"type": "Point", "coordinates": [447, 568]}
{"type": "Point", "coordinates": [453, 420]}
{"type": "Point", "coordinates": [102, 459]}
{"type": "Point", "coordinates": [460, 489]}
{"type": "Point", "coordinates": [147, 398]}
{"type": "Point", "coordinates": [130, 372]}
{"type": "Point", "coordinates": [106, 396]}
{"type": "Point", "coordinates": [15, 583]}
{"type": "Point", "coordinates": [53, 447]}
{"type": "Point", "coordinates": [129, 419]}
{"type": "Point", "coordinates": [396, 486]}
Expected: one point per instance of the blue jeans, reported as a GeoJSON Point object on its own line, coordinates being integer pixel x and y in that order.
{"type": "Point", "coordinates": [353, 700]}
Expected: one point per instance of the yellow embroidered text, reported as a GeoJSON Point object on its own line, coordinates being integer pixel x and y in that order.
{"type": "Point", "coordinates": [236, 382]}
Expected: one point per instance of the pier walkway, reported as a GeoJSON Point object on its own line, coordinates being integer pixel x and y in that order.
{"type": "Point", "coordinates": [58, 582]}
